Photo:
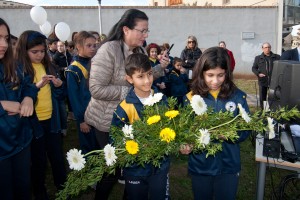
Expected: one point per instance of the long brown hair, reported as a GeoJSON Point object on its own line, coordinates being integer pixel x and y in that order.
{"type": "Point", "coordinates": [28, 40]}
{"type": "Point", "coordinates": [212, 58]}
{"type": "Point", "coordinates": [10, 74]}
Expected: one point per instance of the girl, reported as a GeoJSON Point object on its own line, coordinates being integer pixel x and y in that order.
{"type": "Point", "coordinates": [16, 104]}
{"type": "Point", "coordinates": [153, 51]}
{"type": "Point", "coordinates": [78, 89]}
{"type": "Point", "coordinates": [32, 53]}
{"type": "Point", "coordinates": [216, 177]}
{"type": "Point", "coordinates": [178, 81]}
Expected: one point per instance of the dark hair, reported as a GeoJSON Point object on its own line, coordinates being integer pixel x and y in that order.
{"type": "Point", "coordinates": [211, 59]}
{"type": "Point", "coordinates": [29, 39]}
{"type": "Point", "coordinates": [129, 19]}
{"type": "Point", "coordinates": [137, 62]}
{"type": "Point", "coordinates": [166, 45]}
{"type": "Point", "coordinates": [8, 61]}
{"type": "Point", "coordinates": [153, 45]}
{"type": "Point", "coordinates": [71, 44]}
{"type": "Point", "coordinates": [74, 35]}
{"type": "Point", "coordinates": [176, 60]}
{"type": "Point", "coordinates": [12, 37]}
{"type": "Point", "coordinates": [222, 42]}
{"type": "Point", "coordinates": [82, 36]}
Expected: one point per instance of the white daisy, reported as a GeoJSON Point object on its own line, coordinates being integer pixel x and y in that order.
{"type": "Point", "coordinates": [198, 104]}
{"type": "Point", "coordinates": [271, 128]}
{"type": "Point", "coordinates": [204, 137]}
{"type": "Point", "coordinates": [157, 97]}
{"type": "Point", "coordinates": [109, 154]}
{"type": "Point", "coordinates": [151, 100]}
{"type": "Point", "coordinates": [127, 130]}
{"type": "Point", "coordinates": [244, 114]}
{"type": "Point", "coordinates": [75, 159]}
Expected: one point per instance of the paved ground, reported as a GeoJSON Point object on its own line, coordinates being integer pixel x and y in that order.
{"type": "Point", "coordinates": [252, 100]}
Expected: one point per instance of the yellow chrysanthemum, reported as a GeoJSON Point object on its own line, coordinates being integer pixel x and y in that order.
{"type": "Point", "coordinates": [172, 113]}
{"type": "Point", "coordinates": [132, 147]}
{"type": "Point", "coordinates": [154, 119]}
{"type": "Point", "coordinates": [167, 135]}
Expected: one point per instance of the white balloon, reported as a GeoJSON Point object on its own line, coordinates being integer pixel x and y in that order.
{"type": "Point", "coordinates": [46, 28]}
{"type": "Point", "coordinates": [62, 31]}
{"type": "Point", "coordinates": [38, 15]}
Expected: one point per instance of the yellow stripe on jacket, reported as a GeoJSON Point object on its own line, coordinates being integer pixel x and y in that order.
{"type": "Point", "coordinates": [130, 111]}
{"type": "Point", "coordinates": [83, 70]}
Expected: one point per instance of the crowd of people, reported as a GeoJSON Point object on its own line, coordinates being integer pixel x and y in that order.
{"type": "Point", "coordinates": [95, 78]}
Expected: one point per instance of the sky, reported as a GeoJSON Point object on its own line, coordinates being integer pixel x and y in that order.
{"type": "Point", "coordinates": [84, 2]}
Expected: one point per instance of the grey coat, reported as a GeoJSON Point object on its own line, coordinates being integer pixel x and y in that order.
{"type": "Point", "coordinates": [107, 83]}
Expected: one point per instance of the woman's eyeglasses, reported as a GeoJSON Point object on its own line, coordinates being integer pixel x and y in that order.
{"type": "Point", "coordinates": [145, 31]}
{"type": "Point", "coordinates": [191, 42]}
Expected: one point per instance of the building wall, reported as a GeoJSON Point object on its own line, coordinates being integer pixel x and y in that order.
{"type": "Point", "coordinates": [173, 25]}
{"type": "Point", "coordinates": [217, 2]}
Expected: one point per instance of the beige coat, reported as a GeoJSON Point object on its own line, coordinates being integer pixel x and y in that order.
{"type": "Point", "coordinates": [107, 84]}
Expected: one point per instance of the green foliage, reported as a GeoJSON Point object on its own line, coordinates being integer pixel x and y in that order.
{"type": "Point", "coordinates": [189, 129]}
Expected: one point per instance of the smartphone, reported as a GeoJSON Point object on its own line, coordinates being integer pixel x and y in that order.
{"type": "Point", "coordinates": [168, 52]}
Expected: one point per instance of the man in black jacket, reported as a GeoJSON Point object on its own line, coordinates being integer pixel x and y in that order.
{"type": "Point", "coordinates": [262, 68]}
{"type": "Point", "coordinates": [292, 54]}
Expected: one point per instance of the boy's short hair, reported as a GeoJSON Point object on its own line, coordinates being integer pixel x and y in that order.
{"type": "Point", "coordinates": [137, 62]}
{"type": "Point", "coordinates": [176, 60]}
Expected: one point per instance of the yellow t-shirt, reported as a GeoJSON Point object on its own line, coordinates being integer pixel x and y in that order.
{"type": "Point", "coordinates": [214, 93]}
{"type": "Point", "coordinates": [43, 106]}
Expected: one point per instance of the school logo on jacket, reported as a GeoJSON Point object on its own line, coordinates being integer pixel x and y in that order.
{"type": "Point", "coordinates": [230, 106]}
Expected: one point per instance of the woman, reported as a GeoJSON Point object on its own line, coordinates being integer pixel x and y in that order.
{"type": "Point", "coordinates": [231, 57]}
{"type": "Point", "coordinates": [108, 86]}
{"type": "Point", "coordinates": [191, 53]}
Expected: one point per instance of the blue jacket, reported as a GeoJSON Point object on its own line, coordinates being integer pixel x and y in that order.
{"type": "Point", "coordinates": [178, 83]}
{"type": "Point", "coordinates": [291, 54]}
{"type": "Point", "coordinates": [78, 90]}
{"type": "Point", "coordinates": [131, 98]}
{"type": "Point", "coordinates": [15, 132]}
{"type": "Point", "coordinates": [228, 160]}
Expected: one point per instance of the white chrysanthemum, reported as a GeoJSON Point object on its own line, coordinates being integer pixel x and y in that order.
{"type": "Point", "coordinates": [271, 128]}
{"type": "Point", "coordinates": [244, 114]}
{"type": "Point", "coordinates": [198, 104]}
{"type": "Point", "coordinates": [127, 130]}
{"type": "Point", "coordinates": [75, 159]}
{"type": "Point", "coordinates": [204, 137]}
{"type": "Point", "coordinates": [151, 100]}
{"type": "Point", "coordinates": [109, 154]}
{"type": "Point", "coordinates": [157, 97]}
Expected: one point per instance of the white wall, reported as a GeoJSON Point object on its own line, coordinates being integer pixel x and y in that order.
{"type": "Point", "coordinates": [173, 25]}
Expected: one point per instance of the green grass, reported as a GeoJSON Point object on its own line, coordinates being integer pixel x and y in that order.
{"type": "Point", "coordinates": [180, 183]}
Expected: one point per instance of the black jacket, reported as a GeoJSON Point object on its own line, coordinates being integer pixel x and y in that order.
{"type": "Point", "coordinates": [260, 67]}
{"type": "Point", "coordinates": [190, 57]}
{"type": "Point", "coordinates": [291, 54]}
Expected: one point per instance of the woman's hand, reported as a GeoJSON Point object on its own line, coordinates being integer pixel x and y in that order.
{"type": "Point", "coordinates": [84, 127]}
{"type": "Point", "coordinates": [164, 60]}
{"type": "Point", "coordinates": [11, 107]}
{"type": "Point", "coordinates": [186, 149]}
{"type": "Point", "coordinates": [27, 107]}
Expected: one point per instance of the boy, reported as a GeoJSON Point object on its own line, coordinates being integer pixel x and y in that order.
{"type": "Point", "coordinates": [145, 182]}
